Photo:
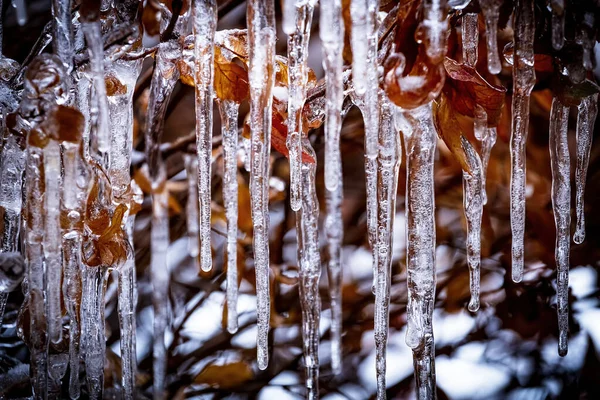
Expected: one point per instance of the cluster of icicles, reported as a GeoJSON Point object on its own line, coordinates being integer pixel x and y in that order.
{"type": "Point", "coordinates": [69, 202]}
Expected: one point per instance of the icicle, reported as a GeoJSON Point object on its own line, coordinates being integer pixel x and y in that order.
{"type": "Point", "coordinates": [73, 200]}
{"type": "Point", "coordinates": [420, 141]}
{"type": "Point", "coordinates": [334, 230]}
{"type": "Point", "coordinates": [92, 311]}
{"type": "Point", "coordinates": [127, 303]}
{"type": "Point", "coordinates": [586, 118]}
{"type": "Point", "coordinates": [388, 163]}
{"type": "Point", "coordinates": [120, 107]}
{"type": "Point", "coordinates": [120, 110]}
{"type": "Point", "coordinates": [473, 206]}
{"type": "Point", "coordinates": [433, 28]}
{"type": "Point", "coordinates": [558, 23]}
{"type": "Point", "coordinates": [21, 11]}
{"type": "Point", "coordinates": [366, 84]}
{"type": "Point", "coordinates": [491, 12]}
{"type": "Point", "coordinates": [261, 35]}
{"type": "Point", "coordinates": [332, 39]}
{"type": "Point", "coordinates": [523, 81]}
{"type": "Point", "coordinates": [470, 38]}
{"type": "Point", "coordinates": [52, 239]}
{"type": "Point", "coordinates": [561, 204]}
{"type": "Point", "coordinates": [307, 227]}
{"type": "Point", "coordinates": [160, 285]}
{"type": "Point", "coordinates": [101, 139]}
{"type": "Point", "coordinates": [191, 168]}
{"type": "Point", "coordinates": [63, 35]}
{"type": "Point", "coordinates": [205, 22]}
{"type": "Point", "coordinates": [161, 87]}
{"type": "Point", "coordinates": [34, 255]}
{"type": "Point", "coordinates": [12, 165]}
{"type": "Point", "coordinates": [299, 35]}
{"type": "Point", "coordinates": [229, 129]}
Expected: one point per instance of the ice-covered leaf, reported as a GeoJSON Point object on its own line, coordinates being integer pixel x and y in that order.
{"type": "Point", "coordinates": [225, 376]}
{"type": "Point", "coordinates": [231, 82]}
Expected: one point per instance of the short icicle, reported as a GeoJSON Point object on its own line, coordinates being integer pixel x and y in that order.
{"type": "Point", "coordinates": [558, 23]}
{"type": "Point", "coordinates": [388, 164]}
{"type": "Point", "coordinates": [297, 51]}
{"type": "Point", "coordinates": [420, 141]}
{"type": "Point", "coordinates": [523, 81]}
{"type": "Point", "coordinates": [261, 43]}
{"type": "Point", "coordinates": [491, 12]}
{"type": "Point", "coordinates": [229, 128]}
{"type": "Point", "coordinates": [191, 211]}
{"type": "Point", "coordinates": [204, 16]}
{"type": "Point", "coordinates": [332, 39]}
{"type": "Point", "coordinates": [586, 118]}
{"type": "Point", "coordinates": [561, 205]}
{"type": "Point", "coordinates": [470, 38]}
{"type": "Point", "coordinates": [309, 258]}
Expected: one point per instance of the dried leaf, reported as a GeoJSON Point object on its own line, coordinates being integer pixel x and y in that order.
{"type": "Point", "coordinates": [466, 89]}
{"type": "Point", "coordinates": [225, 376]}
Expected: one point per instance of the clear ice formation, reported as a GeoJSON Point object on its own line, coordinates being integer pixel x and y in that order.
{"type": "Point", "coordinates": [300, 20]}
{"type": "Point", "coordinates": [309, 257]}
{"type": "Point", "coordinates": [523, 81]}
{"type": "Point", "coordinates": [332, 40]}
{"type": "Point", "coordinates": [204, 21]}
{"type": "Point", "coordinates": [388, 164]}
{"type": "Point", "coordinates": [420, 141]}
{"type": "Point", "coordinates": [586, 119]}
{"type": "Point", "coordinates": [261, 36]}
{"type": "Point", "coordinates": [68, 150]}
{"type": "Point", "coordinates": [561, 205]}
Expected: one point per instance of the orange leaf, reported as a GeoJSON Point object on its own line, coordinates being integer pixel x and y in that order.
{"type": "Point", "coordinates": [231, 82]}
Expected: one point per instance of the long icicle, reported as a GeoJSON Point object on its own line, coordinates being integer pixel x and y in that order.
{"type": "Point", "coordinates": [161, 88]}
{"type": "Point", "coordinates": [473, 206]}
{"type": "Point", "coordinates": [52, 240]}
{"type": "Point", "coordinates": [332, 38]}
{"type": "Point", "coordinates": [586, 118]}
{"type": "Point", "coordinates": [388, 164]}
{"type": "Point", "coordinates": [62, 32]}
{"type": "Point", "coordinates": [120, 107]}
{"type": "Point", "coordinates": [229, 128]}
{"type": "Point", "coordinates": [491, 12]}
{"type": "Point", "coordinates": [420, 141]}
{"type": "Point", "coordinates": [561, 205]}
{"type": "Point", "coordinates": [309, 258]}
{"type": "Point", "coordinates": [12, 165]}
{"type": "Point", "coordinates": [523, 81]}
{"type": "Point", "coordinates": [261, 36]}
{"type": "Point", "coordinates": [204, 17]}
{"type": "Point", "coordinates": [366, 87]}
{"type": "Point", "coordinates": [73, 199]}
{"type": "Point", "coordinates": [298, 37]}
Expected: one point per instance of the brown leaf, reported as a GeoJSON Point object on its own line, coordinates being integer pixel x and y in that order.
{"type": "Point", "coordinates": [449, 130]}
{"type": "Point", "coordinates": [225, 376]}
{"type": "Point", "coordinates": [466, 89]}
